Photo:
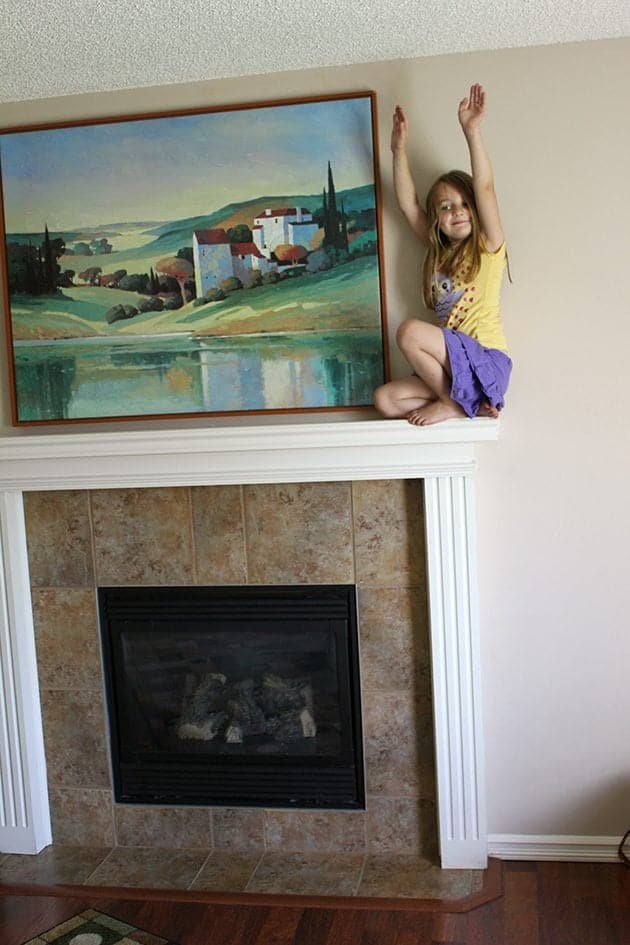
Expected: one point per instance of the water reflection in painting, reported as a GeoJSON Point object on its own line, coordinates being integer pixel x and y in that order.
{"type": "Point", "coordinates": [103, 377]}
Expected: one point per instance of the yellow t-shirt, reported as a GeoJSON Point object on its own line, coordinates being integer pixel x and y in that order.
{"type": "Point", "coordinates": [473, 307]}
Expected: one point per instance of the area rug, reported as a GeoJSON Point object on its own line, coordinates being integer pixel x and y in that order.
{"type": "Point", "coordinates": [95, 928]}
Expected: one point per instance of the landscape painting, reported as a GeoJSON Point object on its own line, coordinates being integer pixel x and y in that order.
{"type": "Point", "coordinates": [215, 262]}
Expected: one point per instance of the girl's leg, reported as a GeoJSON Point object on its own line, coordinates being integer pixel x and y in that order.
{"type": "Point", "coordinates": [397, 399]}
{"type": "Point", "coordinates": [424, 348]}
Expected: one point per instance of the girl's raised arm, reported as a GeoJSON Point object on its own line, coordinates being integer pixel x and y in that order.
{"type": "Point", "coordinates": [470, 113]}
{"type": "Point", "coordinates": [404, 186]}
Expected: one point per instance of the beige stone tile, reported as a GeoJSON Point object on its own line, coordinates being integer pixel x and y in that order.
{"type": "Point", "coordinates": [395, 615]}
{"type": "Point", "coordinates": [82, 817]}
{"type": "Point", "coordinates": [398, 736]}
{"type": "Point", "coordinates": [58, 536]}
{"type": "Point", "coordinates": [395, 650]}
{"type": "Point", "coordinates": [412, 877]}
{"type": "Point", "coordinates": [389, 532]}
{"type": "Point", "coordinates": [227, 872]}
{"type": "Point", "coordinates": [309, 874]}
{"type": "Point", "coordinates": [76, 740]}
{"type": "Point", "coordinates": [299, 533]}
{"type": "Point", "coordinates": [219, 535]}
{"type": "Point", "coordinates": [315, 831]}
{"type": "Point", "coordinates": [162, 827]}
{"type": "Point", "coordinates": [151, 868]}
{"type": "Point", "coordinates": [67, 639]}
{"type": "Point", "coordinates": [53, 866]}
{"type": "Point", "coordinates": [401, 825]}
{"type": "Point", "coordinates": [239, 829]}
{"type": "Point", "coordinates": [143, 536]}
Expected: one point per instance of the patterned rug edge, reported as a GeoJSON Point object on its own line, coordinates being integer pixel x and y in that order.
{"type": "Point", "coordinates": [96, 928]}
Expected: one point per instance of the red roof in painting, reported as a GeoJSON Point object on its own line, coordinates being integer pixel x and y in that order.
{"type": "Point", "coordinates": [246, 249]}
{"type": "Point", "coordinates": [210, 237]}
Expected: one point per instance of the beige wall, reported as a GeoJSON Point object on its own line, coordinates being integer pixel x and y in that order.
{"type": "Point", "coordinates": [552, 505]}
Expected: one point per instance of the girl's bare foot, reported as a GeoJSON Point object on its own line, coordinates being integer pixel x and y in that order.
{"type": "Point", "coordinates": [487, 410]}
{"type": "Point", "coordinates": [435, 412]}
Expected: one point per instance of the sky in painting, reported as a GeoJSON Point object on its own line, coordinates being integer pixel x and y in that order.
{"type": "Point", "coordinates": [188, 165]}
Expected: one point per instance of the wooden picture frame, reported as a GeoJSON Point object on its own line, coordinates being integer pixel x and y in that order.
{"type": "Point", "coordinates": [204, 262]}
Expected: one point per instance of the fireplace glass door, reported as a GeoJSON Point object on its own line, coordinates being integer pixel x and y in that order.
{"type": "Point", "coordinates": [234, 696]}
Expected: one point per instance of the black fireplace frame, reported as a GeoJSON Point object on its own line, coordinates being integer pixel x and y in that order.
{"type": "Point", "coordinates": [308, 782]}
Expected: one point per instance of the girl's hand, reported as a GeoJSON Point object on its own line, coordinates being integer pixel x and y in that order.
{"type": "Point", "coordinates": [400, 130]}
{"type": "Point", "coordinates": [472, 109]}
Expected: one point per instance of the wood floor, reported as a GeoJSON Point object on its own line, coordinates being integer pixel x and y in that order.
{"type": "Point", "coordinates": [541, 904]}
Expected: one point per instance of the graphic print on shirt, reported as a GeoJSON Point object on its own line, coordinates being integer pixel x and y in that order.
{"type": "Point", "coordinates": [445, 295]}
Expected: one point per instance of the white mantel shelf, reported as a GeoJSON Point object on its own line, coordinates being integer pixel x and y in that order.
{"type": "Point", "coordinates": [442, 455]}
{"type": "Point", "coordinates": [363, 449]}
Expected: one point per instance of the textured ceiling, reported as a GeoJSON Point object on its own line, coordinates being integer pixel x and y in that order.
{"type": "Point", "coordinates": [49, 49]}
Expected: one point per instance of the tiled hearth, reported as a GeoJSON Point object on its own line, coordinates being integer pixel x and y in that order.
{"type": "Point", "coordinates": [308, 874]}
{"type": "Point", "coordinates": [370, 533]}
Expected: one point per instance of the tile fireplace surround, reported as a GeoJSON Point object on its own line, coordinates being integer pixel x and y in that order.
{"type": "Point", "coordinates": [315, 452]}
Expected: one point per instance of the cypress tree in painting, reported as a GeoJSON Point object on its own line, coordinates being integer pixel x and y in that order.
{"type": "Point", "coordinates": [49, 265]}
{"type": "Point", "coordinates": [154, 282]}
{"type": "Point", "coordinates": [335, 227]}
{"type": "Point", "coordinates": [332, 198]}
{"type": "Point", "coordinates": [343, 232]}
{"type": "Point", "coordinates": [34, 270]}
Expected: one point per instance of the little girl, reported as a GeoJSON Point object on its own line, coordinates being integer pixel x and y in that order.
{"type": "Point", "coordinates": [461, 369]}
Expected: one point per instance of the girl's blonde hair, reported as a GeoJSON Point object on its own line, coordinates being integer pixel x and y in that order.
{"type": "Point", "coordinates": [443, 256]}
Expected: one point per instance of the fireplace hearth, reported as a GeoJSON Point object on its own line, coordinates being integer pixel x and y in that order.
{"type": "Point", "coordinates": [233, 696]}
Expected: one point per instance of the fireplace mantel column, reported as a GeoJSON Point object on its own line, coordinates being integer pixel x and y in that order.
{"type": "Point", "coordinates": [455, 662]}
{"type": "Point", "coordinates": [24, 809]}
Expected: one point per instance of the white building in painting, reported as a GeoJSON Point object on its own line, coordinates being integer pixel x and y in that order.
{"type": "Point", "coordinates": [246, 259]}
{"type": "Point", "coordinates": [212, 257]}
{"type": "Point", "coordinates": [216, 259]}
{"type": "Point", "coordinates": [292, 225]}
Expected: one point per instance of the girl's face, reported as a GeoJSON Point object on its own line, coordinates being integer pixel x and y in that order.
{"type": "Point", "coordinates": [453, 213]}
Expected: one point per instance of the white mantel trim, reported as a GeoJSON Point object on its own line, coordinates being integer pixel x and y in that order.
{"type": "Point", "coordinates": [308, 452]}
{"type": "Point", "coordinates": [442, 455]}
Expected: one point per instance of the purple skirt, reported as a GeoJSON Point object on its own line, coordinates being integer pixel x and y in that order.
{"type": "Point", "coordinates": [479, 374]}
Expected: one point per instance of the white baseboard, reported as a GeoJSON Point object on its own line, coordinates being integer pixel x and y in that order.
{"type": "Point", "coordinates": [553, 847]}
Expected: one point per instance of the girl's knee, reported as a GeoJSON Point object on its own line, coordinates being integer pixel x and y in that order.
{"type": "Point", "coordinates": [406, 332]}
{"type": "Point", "coordinates": [414, 336]}
{"type": "Point", "coordinates": [381, 398]}
{"type": "Point", "coordinates": [413, 333]}
{"type": "Point", "coordinates": [384, 401]}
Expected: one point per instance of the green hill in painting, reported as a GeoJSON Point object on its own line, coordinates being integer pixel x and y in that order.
{"type": "Point", "coordinates": [345, 297]}
{"type": "Point", "coordinates": [172, 235]}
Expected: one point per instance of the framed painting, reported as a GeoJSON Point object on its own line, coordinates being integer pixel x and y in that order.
{"type": "Point", "coordinates": [204, 262]}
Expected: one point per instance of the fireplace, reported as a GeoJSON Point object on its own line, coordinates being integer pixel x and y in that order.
{"type": "Point", "coordinates": [442, 456]}
{"type": "Point", "coordinates": [233, 696]}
